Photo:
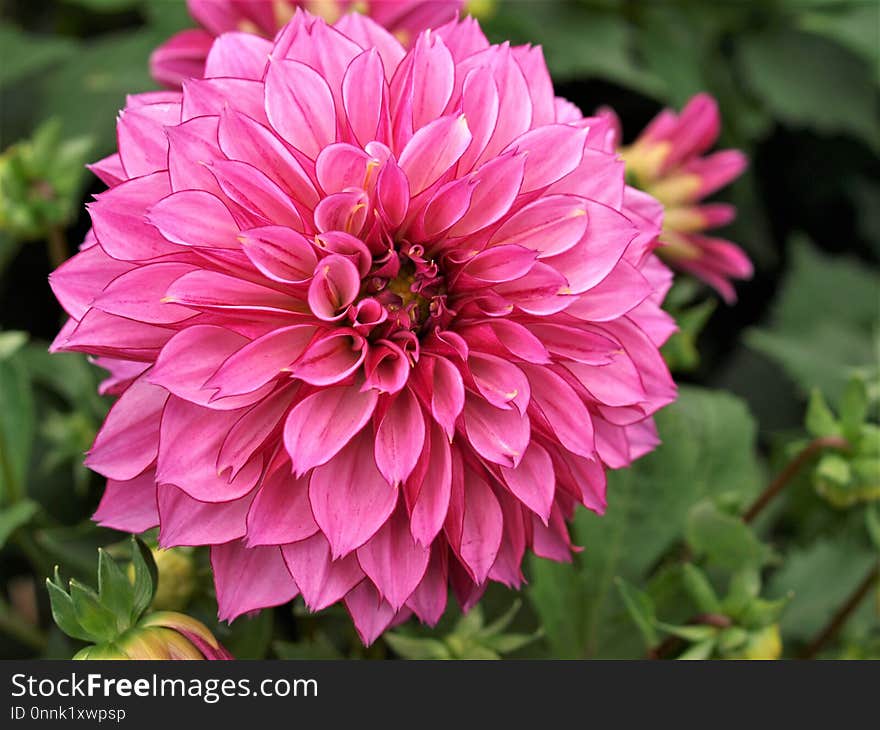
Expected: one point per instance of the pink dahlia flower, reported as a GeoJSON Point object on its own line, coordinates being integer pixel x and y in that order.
{"type": "Point", "coordinates": [669, 161]}
{"type": "Point", "coordinates": [378, 319]}
{"type": "Point", "coordinates": [183, 56]}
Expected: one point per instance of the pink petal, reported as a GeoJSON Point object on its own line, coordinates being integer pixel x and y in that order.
{"type": "Point", "coordinates": [350, 499]}
{"type": "Point", "coordinates": [280, 253]}
{"type": "Point", "coordinates": [393, 560]}
{"type": "Point", "coordinates": [433, 150]}
{"type": "Point", "coordinates": [335, 285]}
{"type": "Point", "coordinates": [320, 425]}
{"type": "Point", "coordinates": [187, 521]}
{"type": "Point", "coordinates": [321, 581]}
{"type": "Point", "coordinates": [300, 106]}
{"type": "Point", "coordinates": [499, 436]}
{"type": "Point", "coordinates": [194, 218]}
{"type": "Point", "coordinates": [128, 441]}
{"type": "Point", "coordinates": [238, 55]}
{"type": "Point", "coordinates": [370, 613]}
{"type": "Point", "coordinates": [331, 358]}
{"type": "Point", "coordinates": [129, 505]}
{"type": "Point", "coordinates": [400, 437]}
{"type": "Point", "coordinates": [281, 512]}
{"type": "Point", "coordinates": [533, 481]}
{"type": "Point", "coordinates": [550, 225]}
{"type": "Point", "coordinates": [432, 501]}
{"type": "Point", "coordinates": [248, 579]}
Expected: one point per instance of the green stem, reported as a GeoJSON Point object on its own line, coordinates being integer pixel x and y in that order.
{"type": "Point", "coordinates": [13, 625]}
{"type": "Point", "coordinates": [791, 471]}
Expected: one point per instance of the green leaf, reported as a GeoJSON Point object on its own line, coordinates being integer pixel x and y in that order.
{"type": "Point", "coordinates": [853, 408]}
{"type": "Point", "coordinates": [248, 637]}
{"type": "Point", "coordinates": [91, 614]}
{"type": "Point", "coordinates": [854, 25]}
{"type": "Point", "coordinates": [315, 647]}
{"type": "Point", "coordinates": [819, 336]}
{"type": "Point", "coordinates": [16, 428]}
{"type": "Point", "coordinates": [25, 54]}
{"type": "Point", "coordinates": [726, 541]}
{"type": "Point", "coordinates": [872, 522]}
{"type": "Point", "coordinates": [820, 575]}
{"type": "Point", "coordinates": [700, 589]}
{"type": "Point", "coordinates": [146, 578]}
{"type": "Point", "coordinates": [15, 516]}
{"type": "Point", "coordinates": [820, 420]}
{"type": "Point", "coordinates": [641, 610]}
{"type": "Point", "coordinates": [115, 590]}
{"type": "Point", "coordinates": [417, 647]}
{"type": "Point", "coordinates": [689, 633]}
{"type": "Point", "coordinates": [708, 450]}
{"type": "Point", "coordinates": [700, 651]}
{"type": "Point", "coordinates": [63, 612]}
{"type": "Point", "coordinates": [578, 42]}
{"type": "Point", "coordinates": [809, 81]}
{"type": "Point", "coordinates": [89, 90]}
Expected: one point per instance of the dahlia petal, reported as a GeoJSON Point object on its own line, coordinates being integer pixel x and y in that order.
{"type": "Point", "coordinates": [187, 521]}
{"type": "Point", "coordinates": [400, 437]}
{"type": "Point", "coordinates": [128, 441]}
{"type": "Point", "coordinates": [393, 560]}
{"type": "Point", "coordinates": [350, 499]}
{"type": "Point", "coordinates": [574, 343]}
{"type": "Point", "coordinates": [618, 293]}
{"type": "Point", "coordinates": [369, 35]}
{"type": "Point", "coordinates": [253, 431]}
{"type": "Point", "coordinates": [143, 147]}
{"type": "Point", "coordinates": [210, 97]}
{"type": "Point", "coordinates": [533, 481]}
{"type": "Point", "coordinates": [506, 568]}
{"type": "Point", "coordinates": [432, 500]}
{"type": "Point", "coordinates": [194, 218]}
{"type": "Point", "coordinates": [499, 436]}
{"type": "Point", "coordinates": [331, 358]}
{"type": "Point", "coordinates": [447, 391]}
{"type": "Point", "coordinates": [434, 149]}
{"type": "Point", "coordinates": [564, 412]}
{"type": "Point", "coordinates": [345, 211]}
{"type": "Point", "coordinates": [280, 513]}
{"type": "Point", "coordinates": [334, 286]}
{"type": "Point", "coordinates": [248, 579]}
{"type": "Point", "coordinates": [256, 193]}
{"type": "Point", "coordinates": [482, 528]}
{"type": "Point", "coordinates": [322, 424]}
{"type": "Point", "coordinates": [244, 139]}
{"type": "Point", "coordinates": [180, 57]}
{"type": "Point", "coordinates": [370, 613]}
{"type": "Point", "coordinates": [500, 382]}
{"type": "Point", "coordinates": [445, 208]}
{"type": "Point", "coordinates": [99, 333]}
{"type": "Point", "coordinates": [261, 361]}
{"type": "Point", "coordinates": [118, 219]}
{"type": "Point", "coordinates": [137, 294]}
{"type": "Point", "coordinates": [211, 290]}
{"type": "Point", "coordinates": [480, 102]}
{"type": "Point", "coordinates": [280, 253]}
{"type": "Point", "coordinates": [238, 55]}
{"type": "Point", "coordinates": [109, 170]}
{"type": "Point", "coordinates": [320, 580]}
{"type": "Point", "coordinates": [191, 146]}
{"type": "Point", "coordinates": [501, 263]}
{"type": "Point", "coordinates": [497, 185]}
{"type": "Point", "coordinates": [191, 357]}
{"type": "Point", "coordinates": [300, 107]}
{"type": "Point", "coordinates": [76, 282]}
{"type": "Point", "coordinates": [129, 505]}
{"type": "Point", "coordinates": [542, 291]}
{"type": "Point", "coordinates": [364, 91]}
{"type": "Point", "coordinates": [553, 151]}
{"type": "Point", "coordinates": [342, 166]}
{"type": "Point", "coordinates": [428, 600]}
{"type": "Point", "coordinates": [190, 464]}
{"type": "Point", "coordinates": [386, 367]}
{"type": "Point", "coordinates": [615, 384]}
{"type": "Point", "coordinates": [433, 77]}
{"type": "Point", "coordinates": [550, 225]}
{"type": "Point", "coordinates": [551, 541]}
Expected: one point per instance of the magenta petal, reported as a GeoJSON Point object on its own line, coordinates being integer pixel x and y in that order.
{"type": "Point", "coordinates": [129, 505]}
{"type": "Point", "coordinates": [281, 512]}
{"type": "Point", "coordinates": [300, 106]}
{"type": "Point", "coordinates": [187, 521]}
{"type": "Point", "coordinates": [433, 150]}
{"type": "Point", "coordinates": [481, 529]}
{"type": "Point", "coordinates": [320, 425]}
{"type": "Point", "coordinates": [248, 579]}
{"type": "Point", "coordinates": [128, 441]}
{"type": "Point", "coordinates": [195, 218]}
{"type": "Point", "coordinates": [400, 436]}
{"type": "Point", "coordinates": [432, 502]}
{"type": "Point", "coordinates": [393, 560]}
{"type": "Point", "coordinates": [280, 253]}
{"type": "Point", "coordinates": [533, 481]}
{"type": "Point", "coordinates": [500, 436]}
{"type": "Point", "coordinates": [370, 613]}
{"type": "Point", "coordinates": [321, 581]}
{"type": "Point", "coordinates": [350, 498]}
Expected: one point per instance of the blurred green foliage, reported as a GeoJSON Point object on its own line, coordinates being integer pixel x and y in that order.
{"type": "Point", "coordinates": [673, 568]}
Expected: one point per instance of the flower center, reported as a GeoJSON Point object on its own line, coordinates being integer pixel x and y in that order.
{"type": "Point", "coordinates": [412, 290]}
